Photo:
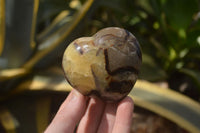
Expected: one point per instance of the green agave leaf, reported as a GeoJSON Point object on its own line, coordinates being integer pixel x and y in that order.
{"type": "Point", "coordinates": [172, 105]}
{"type": "Point", "coordinates": [49, 80]}
{"type": "Point", "coordinates": [2, 26]}
{"type": "Point", "coordinates": [62, 18]}
{"type": "Point", "coordinates": [19, 22]}
{"type": "Point", "coordinates": [12, 73]}
{"type": "Point", "coordinates": [51, 39]}
{"type": "Point", "coordinates": [58, 37]}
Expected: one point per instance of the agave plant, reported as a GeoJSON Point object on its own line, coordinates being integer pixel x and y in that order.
{"type": "Point", "coordinates": [34, 34]}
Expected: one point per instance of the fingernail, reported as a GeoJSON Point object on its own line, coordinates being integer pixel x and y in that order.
{"type": "Point", "coordinates": [77, 95]}
{"type": "Point", "coordinates": [73, 95]}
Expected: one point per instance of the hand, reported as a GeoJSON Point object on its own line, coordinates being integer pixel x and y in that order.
{"type": "Point", "coordinates": [92, 115]}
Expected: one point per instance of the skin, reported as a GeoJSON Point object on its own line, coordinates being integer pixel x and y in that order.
{"type": "Point", "coordinates": [93, 115]}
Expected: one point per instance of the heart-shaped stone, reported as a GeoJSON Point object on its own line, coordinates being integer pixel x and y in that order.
{"type": "Point", "coordinates": [106, 64]}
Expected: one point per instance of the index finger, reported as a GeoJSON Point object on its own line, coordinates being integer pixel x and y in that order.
{"type": "Point", "coordinates": [69, 114]}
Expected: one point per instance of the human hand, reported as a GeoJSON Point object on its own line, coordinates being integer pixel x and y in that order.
{"type": "Point", "coordinates": [92, 115]}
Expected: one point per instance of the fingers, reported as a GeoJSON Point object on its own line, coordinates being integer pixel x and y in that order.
{"type": "Point", "coordinates": [92, 117]}
{"type": "Point", "coordinates": [108, 118]}
{"type": "Point", "coordinates": [124, 114]}
{"type": "Point", "coordinates": [98, 117]}
{"type": "Point", "coordinates": [69, 114]}
{"type": "Point", "coordinates": [115, 117]}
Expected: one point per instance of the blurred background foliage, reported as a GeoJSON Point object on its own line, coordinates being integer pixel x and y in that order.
{"type": "Point", "coordinates": [168, 31]}
{"type": "Point", "coordinates": [35, 33]}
